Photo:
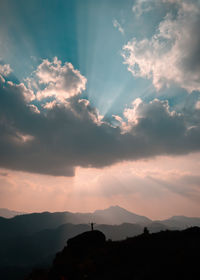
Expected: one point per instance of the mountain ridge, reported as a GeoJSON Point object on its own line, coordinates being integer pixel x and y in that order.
{"type": "Point", "coordinates": [111, 215]}
{"type": "Point", "coordinates": [7, 213]}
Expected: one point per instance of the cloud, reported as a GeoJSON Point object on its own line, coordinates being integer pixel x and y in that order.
{"type": "Point", "coordinates": [142, 6]}
{"type": "Point", "coordinates": [53, 141]}
{"type": "Point", "coordinates": [3, 174]}
{"type": "Point", "coordinates": [57, 137]}
{"type": "Point", "coordinates": [197, 106]}
{"type": "Point", "coordinates": [193, 180]}
{"type": "Point", "coordinates": [28, 94]}
{"type": "Point", "coordinates": [117, 25]}
{"type": "Point", "coordinates": [61, 81]}
{"type": "Point", "coordinates": [186, 186]}
{"type": "Point", "coordinates": [129, 183]}
{"type": "Point", "coordinates": [124, 181]}
{"type": "Point", "coordinates": [171, 55]}
{"type": "Point", "coordinates": [5, 69]}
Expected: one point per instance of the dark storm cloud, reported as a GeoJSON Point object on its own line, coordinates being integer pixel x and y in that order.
{"type": "Point", "coordinates": [54, 141]}
{"type": "Point", "coordinates": [58, 139]}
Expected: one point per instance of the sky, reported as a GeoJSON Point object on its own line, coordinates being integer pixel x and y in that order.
{"type": "Point", "coordinates": [100, 106]}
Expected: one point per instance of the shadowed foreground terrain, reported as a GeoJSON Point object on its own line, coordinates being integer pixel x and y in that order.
{"type": "Point", "coordinates": [163, 255]}
{"type": "Point", "coordinates": [32, 240]}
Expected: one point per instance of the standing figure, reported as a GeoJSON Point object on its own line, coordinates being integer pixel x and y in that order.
{"type": "Point", "coordinates": [92, 226]}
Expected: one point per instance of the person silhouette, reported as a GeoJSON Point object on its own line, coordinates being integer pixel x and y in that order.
{"type": "Point", "coordinates": [92, 226]}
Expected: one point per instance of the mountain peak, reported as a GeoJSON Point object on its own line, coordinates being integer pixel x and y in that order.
{"type": "Point", "coordinates": [117, 207]}
{"type": "Point", "coordinates": [112, 208]}
{"type": "Point", "coordinates": [117, 215]}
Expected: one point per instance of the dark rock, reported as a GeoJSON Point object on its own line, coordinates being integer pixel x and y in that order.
{"type": "Point", "coordinates": [87, 239]}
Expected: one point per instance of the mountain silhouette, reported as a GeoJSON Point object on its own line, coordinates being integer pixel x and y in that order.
{"type": "Point", "coordinates": [20, 253]}
{"type": "Point", "coordinates": [33, 239]}
{"type": "Point", "coordinates": [181, 222]}
{"type": "Point", "coordinates": [165, 255]}
{"type": "Point", "coordinates": [119, 215]}
{"type": "Point", "coordinates": [87, 240]}
{"type": "Point", "coordinates": [32, 223]}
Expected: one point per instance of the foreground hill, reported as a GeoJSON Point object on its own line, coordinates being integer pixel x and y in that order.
{"type": "Point", "coordinates": [41, 246]}
{"type": "Point", "coordinates": [19, 254]}
{"type": "Point", "coordinates": [33, 239]}
{"type": "Point", "coordinates": [164, 255]}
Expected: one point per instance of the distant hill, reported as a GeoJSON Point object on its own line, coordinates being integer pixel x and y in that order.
{"type": "Point", "coordinates": [27, 224]}
{"type": "Point", "coordinates": [181, 222]}
{"type": "Point", "coordinates": [6, 213]}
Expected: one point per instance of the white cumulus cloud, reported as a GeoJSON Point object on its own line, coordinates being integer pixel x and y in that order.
{"type": "Point", "coordinates": [171, 55]}
{"type": "Point", "coordinates": [61, 81]}
{"type": "Point", "coordinates": [5, 69]}
{"type": "Point", "coordinates": [142, 6]}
